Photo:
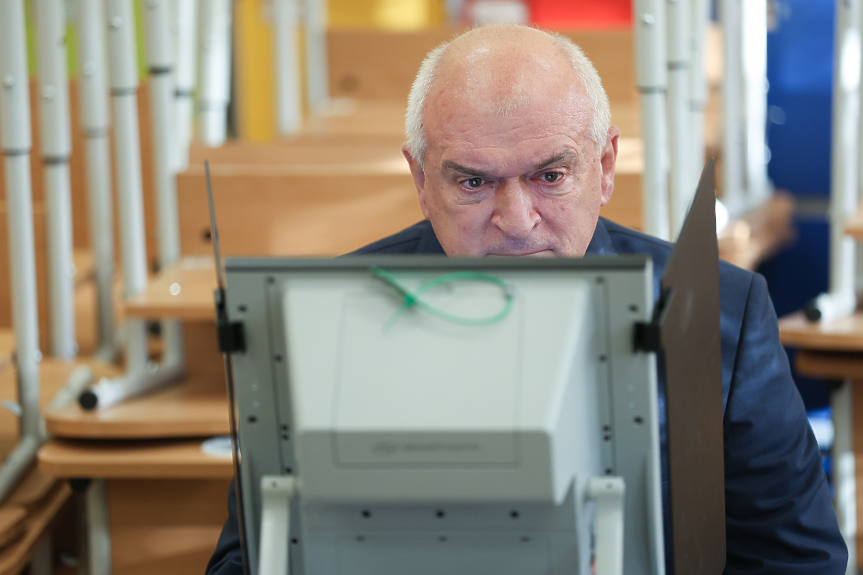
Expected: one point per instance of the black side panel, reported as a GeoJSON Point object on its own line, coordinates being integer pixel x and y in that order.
{"type": "Point", "coordinates": [693, 378]}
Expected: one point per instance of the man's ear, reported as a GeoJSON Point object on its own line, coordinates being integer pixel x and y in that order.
{"type": "Point", "coordinates": [419, 176]}
{"type": "Point", "coordinates": [607, 161]}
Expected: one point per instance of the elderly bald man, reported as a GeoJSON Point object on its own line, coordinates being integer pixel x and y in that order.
{"type": "Point", "coordinates": [512, 153]}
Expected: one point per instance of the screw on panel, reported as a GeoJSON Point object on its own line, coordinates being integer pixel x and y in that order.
{"type": "Point", "coordinates": [366, 513]}
{"type": "Point", "coordinates": [648, 19]}
{"type": "Point", "coordinates": [514, 514]}
{"type": "Point", "coordinates": [440, 514]}
{"type": "Point", "coordinates": [638, 420]}
{"type": "Point", "coordinates": [252, 419]}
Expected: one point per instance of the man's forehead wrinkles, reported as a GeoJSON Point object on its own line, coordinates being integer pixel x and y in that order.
{"type": "Point", "coordinates": [559, 156]}
{"type": "Point", "coordinates": [450, 166]}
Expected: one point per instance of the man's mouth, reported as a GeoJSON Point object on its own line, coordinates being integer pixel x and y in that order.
{"type": "Point", "coordinates": [524, 254]}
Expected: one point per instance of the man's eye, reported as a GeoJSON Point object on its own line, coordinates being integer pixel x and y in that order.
{"type": "Point", "coordinates": [473, 183]}
{"type": "Point", "coordinates": [551, 177]}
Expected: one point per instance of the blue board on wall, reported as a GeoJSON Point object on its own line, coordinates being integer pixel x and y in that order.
{"type": "Point", "coordinates": [800, 76]}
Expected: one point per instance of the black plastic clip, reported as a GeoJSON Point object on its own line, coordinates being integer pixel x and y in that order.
{"type": "Point", "coordinates": [647, 337]}
{"type": "Point", "coordinates": [232, 335]}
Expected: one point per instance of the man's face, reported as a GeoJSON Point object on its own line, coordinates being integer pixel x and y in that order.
{"type": "Point", "coordinates": [526, 182]}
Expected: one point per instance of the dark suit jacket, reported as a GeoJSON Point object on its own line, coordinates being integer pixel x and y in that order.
{"type": "Point", "coordinates": [779, 519]}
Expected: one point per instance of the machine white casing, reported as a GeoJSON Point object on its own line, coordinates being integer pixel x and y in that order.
{"type": "Point", "coordinates": [378, 416]}
{"type": "Point", "coordinates": [435, 447]}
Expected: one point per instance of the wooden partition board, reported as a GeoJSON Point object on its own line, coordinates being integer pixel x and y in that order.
{"type": "Point", "coordinates": [350, 121]}
{"type": "Point", "coordinates": [165, 526]}
{"type": "Point", "coordinates": [371, 64]}
{"type": "Point", "coordinates": [195, 406]}
{"type": "Point", "coordinates": [302, 156]}
{"type": "Point", "coordinates": [284, 210]}
{"type": "Point", "coordinates": [294, 209]}
{"type": "Point", "coordinates": [842, 334]}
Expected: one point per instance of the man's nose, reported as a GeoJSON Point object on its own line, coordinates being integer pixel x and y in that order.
{"type": "Point", "coordinates": [514, 211]}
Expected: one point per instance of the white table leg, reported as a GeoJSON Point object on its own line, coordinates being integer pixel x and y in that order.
{"type": "Point", "coordinates": [844, 480]}
{"type": "Point", "coordinates": [98, 528]}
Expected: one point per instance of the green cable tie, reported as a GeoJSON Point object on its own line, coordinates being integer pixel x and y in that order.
{"type": "Point", "coordinates": [412, 299]}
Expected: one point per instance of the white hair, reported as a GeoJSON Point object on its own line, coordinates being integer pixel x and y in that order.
{"type": "Point", "coordinates": [583, 67]}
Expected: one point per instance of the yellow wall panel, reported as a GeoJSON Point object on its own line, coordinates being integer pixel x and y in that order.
{"type": "Point", "coordinates": [253, 69]}
{"type": "Point", "coordinates": [254, 65]}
